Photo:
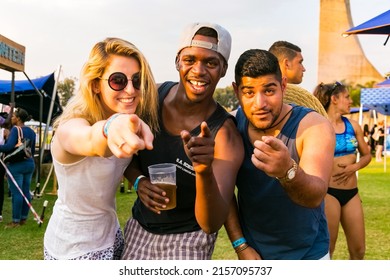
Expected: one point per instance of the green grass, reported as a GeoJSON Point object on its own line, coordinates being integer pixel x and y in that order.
{"type": "Point", "coordinates": [26, 242]}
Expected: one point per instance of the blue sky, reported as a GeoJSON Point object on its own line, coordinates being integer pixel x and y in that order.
{"type": "Point", "coordinates": [62, 32]}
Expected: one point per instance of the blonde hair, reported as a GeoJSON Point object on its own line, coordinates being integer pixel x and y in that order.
{"type": "Point", "coordinates": [87, 104]}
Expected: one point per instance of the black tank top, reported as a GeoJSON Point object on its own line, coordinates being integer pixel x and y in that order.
{"type": "Point", "coordinates": [169, 148]}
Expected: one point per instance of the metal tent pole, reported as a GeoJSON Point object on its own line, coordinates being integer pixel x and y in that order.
{"type": "Point", "coordinates": [37, 188]}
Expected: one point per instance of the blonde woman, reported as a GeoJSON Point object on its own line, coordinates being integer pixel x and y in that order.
{"type": "Point", "coordinates": [342, 202]}
{"type": "Point", "coordinates": [94, 141]}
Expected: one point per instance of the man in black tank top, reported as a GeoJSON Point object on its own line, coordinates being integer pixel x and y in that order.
{"type": "Point", "coordinates": [201, 138]}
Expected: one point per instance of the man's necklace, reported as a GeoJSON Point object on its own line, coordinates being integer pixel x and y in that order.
{"type": "Point", "coordinates": [275, 125]}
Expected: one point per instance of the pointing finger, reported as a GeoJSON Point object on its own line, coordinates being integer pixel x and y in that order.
{"type": "Point", "coordinates": [147, 135]}
{"type": "Point", "coordinates": [204, 130]}
{"type": "Point", "coordinates": [274, 143]}
{"type": "Point", "coordinates": [185, 136]}
{"type": "Point", "coordinates": [134, 123]}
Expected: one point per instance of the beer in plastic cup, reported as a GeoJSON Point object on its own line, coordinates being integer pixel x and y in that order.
{"type": "Point", "coordinates": [164, 176]}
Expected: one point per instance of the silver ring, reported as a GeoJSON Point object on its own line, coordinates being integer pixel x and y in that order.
{"type": "Point", "coordinates": [121, 145]}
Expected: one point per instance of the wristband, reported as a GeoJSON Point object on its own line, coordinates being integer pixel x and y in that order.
{"type": "Point", "coordinates": [135, 185]}
{"type": "Point", "coordinates": [107, 124]}
{"type": "Point", "coordinates": [238, 242]}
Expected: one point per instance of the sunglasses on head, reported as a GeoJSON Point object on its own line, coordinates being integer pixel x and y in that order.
{"type": "Point", "coordinates": [118, 81]}
{"type": "Point", "coordinates": [335, 85]}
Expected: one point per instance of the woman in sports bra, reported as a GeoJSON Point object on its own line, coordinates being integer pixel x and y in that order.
{"type": "Point", "coordinates": [342, 203]}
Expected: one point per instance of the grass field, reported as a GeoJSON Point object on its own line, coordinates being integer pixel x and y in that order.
{"type": "Point", "coordinates": [26, 242]}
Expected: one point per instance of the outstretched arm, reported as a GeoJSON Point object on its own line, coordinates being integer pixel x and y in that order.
{"type": "Point", "coordinates": [216, 165]}
{"type": "Point", "coordinates": [76, 138]}
{"type": "Point", "coordinates": [315, 146]}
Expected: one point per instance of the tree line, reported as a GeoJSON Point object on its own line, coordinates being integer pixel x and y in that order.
{"type": "Point", "coordinates": [224, 96]}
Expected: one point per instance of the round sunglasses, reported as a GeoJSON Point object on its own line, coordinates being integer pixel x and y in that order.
{"type": "Point", "coordinates": [118, 81]}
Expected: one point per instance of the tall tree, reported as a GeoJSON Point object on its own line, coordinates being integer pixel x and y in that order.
{"type": "Point", "coordinates": [66, 89]}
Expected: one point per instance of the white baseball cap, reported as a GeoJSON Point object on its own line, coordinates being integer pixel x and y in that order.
{"type": "Point", "coordinates": [224, 39]}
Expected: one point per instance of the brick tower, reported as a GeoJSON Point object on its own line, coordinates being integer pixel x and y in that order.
{"type": "Point", "coordinates": [341, 58]}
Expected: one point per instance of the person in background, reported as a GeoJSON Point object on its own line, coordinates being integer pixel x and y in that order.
{"type": "Point", "coordinates": [201, 138]}
{"type": "Point", "coordinates": [291, 64]}
{"type": "Point", "coordinates": [283, 180]}
{"type": "Point", "coordinates": [5, 126]}
{"type": "Point", "coordinates": [366, 134]}
{"type": "Point", "coordinates": [374, 137]}
{"type": "Point", "coordinates": [94, 141]}
{"type": "Point", "coordinates": [343, 204]}
{"type": "Point", "coordinates": [380, 142]}
{"type": "Point", "coordinates": [21, 171]}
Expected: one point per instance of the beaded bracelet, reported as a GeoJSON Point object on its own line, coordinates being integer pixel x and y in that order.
{"type": "Point", "coordinates": [238, 242]}
{"type": "Point", "coordinates": [135, 185]}
{"type": "Point", "coordinates": [108, 122]}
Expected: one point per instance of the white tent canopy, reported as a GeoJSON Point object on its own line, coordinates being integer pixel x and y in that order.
{"type": "Point", "coordinates": [377, 99]}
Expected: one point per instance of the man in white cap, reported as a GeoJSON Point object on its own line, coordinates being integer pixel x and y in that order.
{"type": "Point", "coordinates": [201, 138]}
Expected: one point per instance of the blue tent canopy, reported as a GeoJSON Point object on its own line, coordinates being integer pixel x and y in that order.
{"type": "Point", "coordinates": [357, 110]}
{"type": "Point", "coordinates": [385, 83]}
{"type": "Point", "coordinates": [377, 25]}
{"type": "Point", "coordinates": [26, 96]}
{"type": "Point", "coordinates": [376, 99]}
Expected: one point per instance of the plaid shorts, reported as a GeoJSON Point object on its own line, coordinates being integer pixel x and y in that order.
{"type": "Point", "coordinates": [111, 253]}
{"type": "Point", "coordinates": [143, 245]}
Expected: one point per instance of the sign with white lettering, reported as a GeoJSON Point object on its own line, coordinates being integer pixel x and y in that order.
{"type": "Point", "coordinates": [11, 55]}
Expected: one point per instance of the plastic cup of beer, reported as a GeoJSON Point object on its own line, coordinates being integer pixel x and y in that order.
{"type": "Point", "coordinates": [164, 176]}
